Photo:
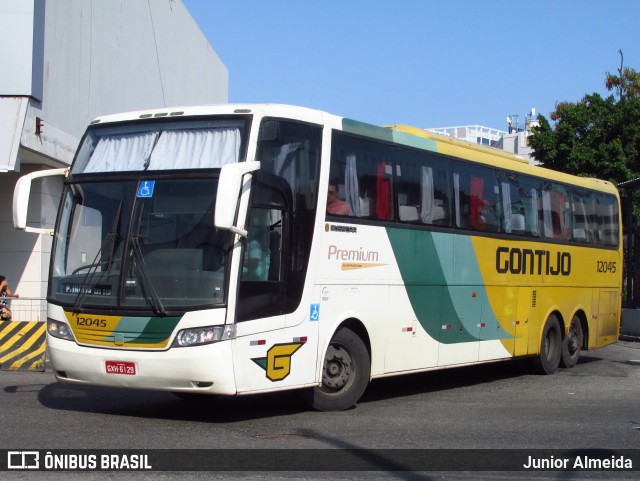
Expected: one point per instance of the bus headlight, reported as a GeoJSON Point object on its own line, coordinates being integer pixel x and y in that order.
{"type": "Point", "coordinates": [204, 335]}
{"type": "Point", "coordinates": [59, 329]}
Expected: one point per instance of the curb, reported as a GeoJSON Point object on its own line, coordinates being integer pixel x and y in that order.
{"type": "Point", "coordinates": [624, 337]}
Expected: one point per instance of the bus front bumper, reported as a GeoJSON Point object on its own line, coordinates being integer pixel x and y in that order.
{"type": "Point", "coordinates": [204, 369]}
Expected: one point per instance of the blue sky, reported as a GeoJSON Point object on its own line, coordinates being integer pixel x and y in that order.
{"type": "Point", "coordinates": [420, 62]}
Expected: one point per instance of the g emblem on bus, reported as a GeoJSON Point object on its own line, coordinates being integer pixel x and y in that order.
{"type": "Point", "coordinates": [277, 363]}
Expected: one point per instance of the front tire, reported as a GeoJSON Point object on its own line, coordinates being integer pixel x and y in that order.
{"type": "Point", "coordinates": [548, 360]}
{"type": "Point", "coordinates": [345, 373]}
{"type": "Point", "coordinates": [572, 344]}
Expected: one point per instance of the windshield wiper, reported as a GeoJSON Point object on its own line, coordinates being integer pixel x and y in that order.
{"type": "Point", "coordinates": [112, 237]}
{"type": "Point", "coordinates": [93, 268]}
{"type": "Point", "coordinates": [143, 272]}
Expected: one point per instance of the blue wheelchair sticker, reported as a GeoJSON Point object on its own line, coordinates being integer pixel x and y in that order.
{"type": "Point", "coordinates": [145, 190]}
{"type": "Point", "coordinates": [314, 312]}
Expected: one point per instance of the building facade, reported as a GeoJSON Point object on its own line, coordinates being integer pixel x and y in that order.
{"type": "Point", "coordinates": [65, 62]}
{"type": "Point", "coordinates": [476, 134]}
{"type": "Point", "coordinates": [514, 141]}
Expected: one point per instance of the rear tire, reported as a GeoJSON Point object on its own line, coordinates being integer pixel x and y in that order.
{"type": "Point", "coordinates": [345, 373]}
{"type": "Point", "coordinates": [548, 360]}
{"type": "Point", "coordinates": [572, 344]}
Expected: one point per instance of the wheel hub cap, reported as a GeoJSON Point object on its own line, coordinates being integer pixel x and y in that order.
{"type": "Point", "coordinates": [337, 368]}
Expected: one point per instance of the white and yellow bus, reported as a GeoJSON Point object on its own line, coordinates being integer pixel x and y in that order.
{"type": "Point", "coordinates": [194, 253]}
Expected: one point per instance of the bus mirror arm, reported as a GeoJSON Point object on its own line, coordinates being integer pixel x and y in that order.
{"type": "Point", "coordinates": [21, 199]}
{"type": "Point", "coordinates": [229, 194]}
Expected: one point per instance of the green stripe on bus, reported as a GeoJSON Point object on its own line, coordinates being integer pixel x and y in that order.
{"type": "Point", "coordinates": [415, 141]}
{"type": "Point", "coordinates": [367, 130]}
{"type": "Point", "coordinates": [146, 330]}
{"type": "Point", "coordinates": [448, 313]}
{"type": "Point", "coordinates": [388, 135]}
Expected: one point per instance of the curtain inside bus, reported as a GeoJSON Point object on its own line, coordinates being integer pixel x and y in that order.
{"type": "Point", "coordinates": [171, 149]}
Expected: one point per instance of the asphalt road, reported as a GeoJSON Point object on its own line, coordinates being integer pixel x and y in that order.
{"type": "Point", "coordinates": [500, 406]}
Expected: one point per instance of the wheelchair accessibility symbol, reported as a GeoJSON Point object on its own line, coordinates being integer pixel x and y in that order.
{"type": "Point", "coordinates": [145, 190]}
{"type": "Point", "coordinates": [314, 312]}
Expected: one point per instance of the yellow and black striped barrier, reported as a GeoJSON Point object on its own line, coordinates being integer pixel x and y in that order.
{"type": "Point", "coordinates": [22, 346]}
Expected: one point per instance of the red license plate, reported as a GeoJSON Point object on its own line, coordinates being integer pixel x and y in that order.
{"type": "Point", "coordinates": [120, 367]}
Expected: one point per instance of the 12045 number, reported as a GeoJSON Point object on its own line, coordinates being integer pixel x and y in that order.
{"type": "Point", "coordinates": [606, 267]}
{"type": "Point", "coordinates": [89, 322]}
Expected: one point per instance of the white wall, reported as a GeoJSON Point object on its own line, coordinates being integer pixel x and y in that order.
{"type": "Point", "coordinates": [117, 55]}
{"type": "Point", "coordinates": [21, 55]}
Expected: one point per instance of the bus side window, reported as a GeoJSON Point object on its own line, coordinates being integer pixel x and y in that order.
{"type": "Point", "coordinates": [262, 281]}
{"type": "Point", "coordinates": [422, 189]}
{"type": "Point", "coordinates": [584, 222]}
{"type": "Point", "coordinates": [606, 212]}
{"type": "Point", "coordinates": [408, 188]}
{"type": "Point", "coordinates": [363, 173]}
{"type": "Point", "coordinates": [477, 198]}
{"type": "Point", "coordinates": [373, 176]}
{"type": "Point", "coordinates": [521, 205]}
{"type": "Point", "coordinates": [556, 212]}
{"type": "Point", "coordinates": [262, 253]}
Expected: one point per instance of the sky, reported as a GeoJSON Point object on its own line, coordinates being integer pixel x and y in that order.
{"type": "Point", "coordinates": [424, 63]}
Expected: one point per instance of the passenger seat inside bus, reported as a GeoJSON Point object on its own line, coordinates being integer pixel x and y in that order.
{"type": "Point", "coordinates": [409, 213]}
{"type": "Point", "coordinates": [517, 224]}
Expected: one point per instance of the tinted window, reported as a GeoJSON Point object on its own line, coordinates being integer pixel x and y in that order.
{"type": "Point", "coordinates": [280, 223]}
{"type": "Point", "coordinates": [423, 186]}
{"type": "Point", "coordinates": [521, 204]}
{"type": "Point", "coordinates": [606, 213]}
{"type": "Point", "coordinates": [362, 173]}
{"type": "Point", "coordinates": [476, 195]}
{"type": "Point", "coordinates": [556, 212]}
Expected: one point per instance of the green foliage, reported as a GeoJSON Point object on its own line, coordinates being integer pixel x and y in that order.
{"type": "Point", "coordinates": [626, 83]}
{"type": "Point", "coordinates": [595, 137]}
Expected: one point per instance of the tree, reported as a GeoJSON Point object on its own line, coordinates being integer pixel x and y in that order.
{"type": "Point", "coordinates": [595, 137]}
{"type": "Point", "coordinates": [626, 83]}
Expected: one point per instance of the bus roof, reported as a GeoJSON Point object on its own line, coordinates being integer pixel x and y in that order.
{"type": "Point", "coordinates": [279, 110]}
{"type": "Point", "coordinates": [399, 134]}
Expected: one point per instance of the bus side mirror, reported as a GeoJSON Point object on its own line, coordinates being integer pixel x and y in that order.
{"type": "Point", "coordinates": [229, 185]}
{"type": "Point", "coordinates": [21, 199]}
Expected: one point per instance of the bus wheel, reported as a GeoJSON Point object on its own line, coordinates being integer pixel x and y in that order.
{"type": "Point", "coordinates": [548, 360]}
{"type": "Point", "coordinates": [572, 344]}
{"type": "Point", "coordinates": [345, 373]}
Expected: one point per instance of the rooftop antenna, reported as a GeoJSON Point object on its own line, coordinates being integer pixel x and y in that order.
{"type": "Point", "coordinates": [532, 120]}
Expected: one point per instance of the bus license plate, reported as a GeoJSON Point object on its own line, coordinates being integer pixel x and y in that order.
{"type": "Point", "coordinates": [120, 367]}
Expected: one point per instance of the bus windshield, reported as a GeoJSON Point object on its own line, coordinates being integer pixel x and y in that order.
{"type": "Point", "coordinates": [140, 244]}
{"type": "Point", "coordinates": [136, 229]}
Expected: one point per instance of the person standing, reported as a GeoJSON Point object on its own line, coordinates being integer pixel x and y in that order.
{"type": "Point", "coordinates": [5, 311]}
